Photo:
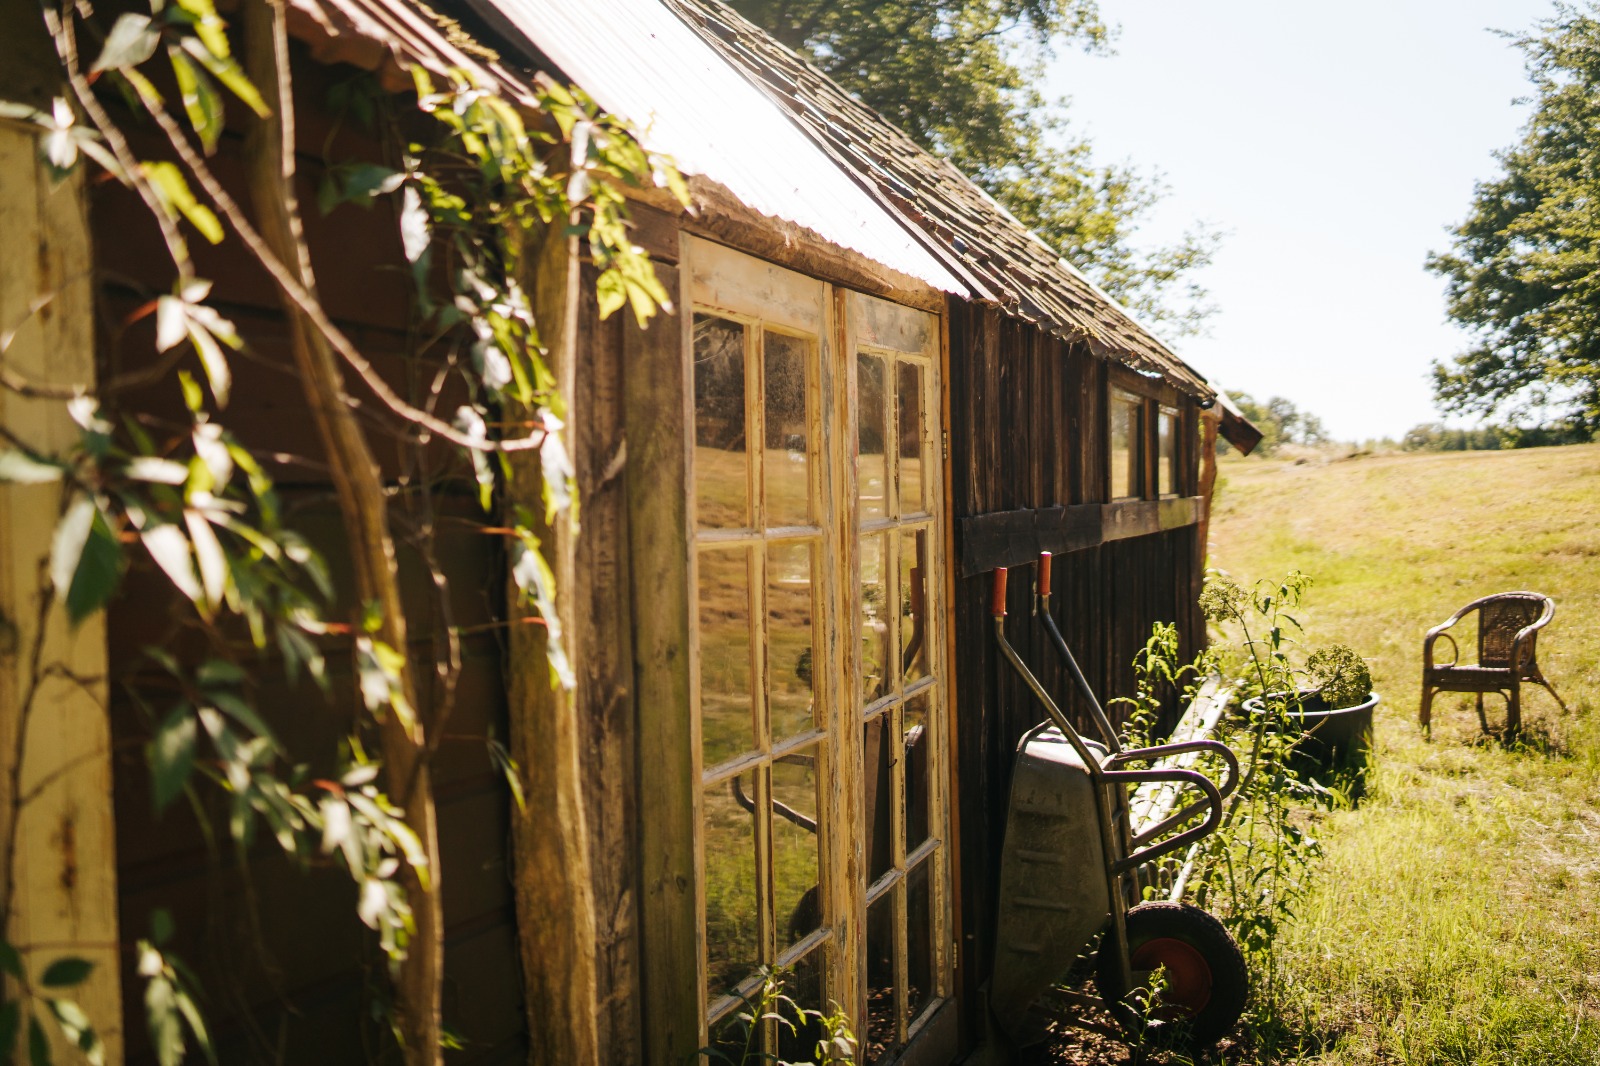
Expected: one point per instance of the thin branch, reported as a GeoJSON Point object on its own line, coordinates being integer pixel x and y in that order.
{"type": "Point", "coordinates": [309, 305]}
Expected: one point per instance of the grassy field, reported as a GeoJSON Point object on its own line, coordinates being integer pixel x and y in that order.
{"type": "Point", "coordinates": [1454, 917]}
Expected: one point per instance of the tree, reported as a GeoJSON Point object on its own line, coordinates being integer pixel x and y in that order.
{"type": "Point", "coordinates": [958, 77]}
{"type": "Point", "coordinates": [1280, 422]}
{"type": "Point", "coordinates": [1522, 268]}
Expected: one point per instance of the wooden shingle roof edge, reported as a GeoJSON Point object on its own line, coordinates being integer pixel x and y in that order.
{"type": "Point", "coordinates": [1003, 261]}
{"type": "Point", "coordinates": [1008, 265]}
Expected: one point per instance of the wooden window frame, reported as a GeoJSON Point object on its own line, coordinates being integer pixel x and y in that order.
{"type": "Point", "coordinates": [1155, 398]}
{"type": "Point", "coordinates": [761, 296]}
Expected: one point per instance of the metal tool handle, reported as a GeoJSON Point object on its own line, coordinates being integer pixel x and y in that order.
{"type": "Point", "coordinates": [1162, 751]}
{"type": "Point", "coordinates": [1211, 802]}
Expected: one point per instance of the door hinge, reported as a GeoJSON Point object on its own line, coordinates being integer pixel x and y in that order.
{"type": "Point", "coordinates": [945, 437]}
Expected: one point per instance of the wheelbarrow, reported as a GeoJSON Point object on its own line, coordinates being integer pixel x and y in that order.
{"type": "Point", "coordinates": [1065, 867]}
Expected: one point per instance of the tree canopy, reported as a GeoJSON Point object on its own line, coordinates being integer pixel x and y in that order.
{"type": "Point", "coordinates": [959, 76]}
{"type": "Point", "coordinates": [1280, 422]}
{"type": "Point", "coordinates": [1522, 267]}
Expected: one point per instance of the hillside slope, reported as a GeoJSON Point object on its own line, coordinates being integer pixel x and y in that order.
{"type": "Point", "coordinates": [1455, 917]}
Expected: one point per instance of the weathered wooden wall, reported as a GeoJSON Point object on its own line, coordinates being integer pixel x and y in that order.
{"type": "Point", "coordinates": [1027, 430]}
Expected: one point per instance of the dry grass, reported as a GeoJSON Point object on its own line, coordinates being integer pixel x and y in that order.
{"type": "Point", "coordinates": [1454, 917]}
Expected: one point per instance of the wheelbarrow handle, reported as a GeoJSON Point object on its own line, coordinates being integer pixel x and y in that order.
{"type": "Point", "coordinates": [1212, 801]}
{"type": "Point", "coordinates": [997, 593]}
{"type": "Point", "coordinates": [1044, 573]}
{"type": "Point", "coordinates": [1162, 751]}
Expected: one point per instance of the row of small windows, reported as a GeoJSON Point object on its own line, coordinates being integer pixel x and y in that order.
{"type": "Point", "coordinates": [1139, 428]}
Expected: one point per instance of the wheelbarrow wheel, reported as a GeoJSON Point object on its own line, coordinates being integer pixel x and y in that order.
{"type": "Point", "coordinates": [1206, 980]}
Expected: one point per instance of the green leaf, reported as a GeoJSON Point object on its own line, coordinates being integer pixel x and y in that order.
{"type": "Point", "coordinates": [161, 925]}
{"type": "Point", "coordinates": [227, 70]}
{"type": "Point", "coordinates": [38, 1044]}
{"type": "Point", "coordinates": [20, 468]}
{"type": "Point", "coordinates": [78, 1030]}
{"type": "Point", "coordinates": [10, 961]}
{"type": "Point", "coordinates": [241, 712]}
{"type": "Point", "coordinates": [132, 40]}
{"type": "Point", "coordinates": [219, 672]}
{"type": "Point", "coordinates": [170, 549]}
{"type": "Point", "coordinates": [66, 547]}
{"type": "Point", "coordinates": [67, 972]}
{"type": "Point", "coordinates": [171, 755]}
{"type": "Point", "coordinates": [172, 190]}
{"type": "Point", "coordinates": [10, 1022]}
{"type": "Point", "coordinates": [201, 101]}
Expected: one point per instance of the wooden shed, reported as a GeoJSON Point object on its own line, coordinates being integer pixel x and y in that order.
{"type": "Point", "coordinates": [795, 740]}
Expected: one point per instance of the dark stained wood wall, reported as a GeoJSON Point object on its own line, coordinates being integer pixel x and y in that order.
{"type": "Point", "coordinates": [1027, 430]}
{"type": "Point", "coordinates": [290, 974]}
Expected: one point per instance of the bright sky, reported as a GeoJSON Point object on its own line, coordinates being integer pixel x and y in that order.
{"type": "Point", "coordinates": [1334, 143]}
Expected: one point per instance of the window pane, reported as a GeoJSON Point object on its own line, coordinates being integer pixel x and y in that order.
{"type": "Point", "coordinates": [920, 987]}
{"type": "Point", "coordinates": [787, 407]}
{"type": "Point", "coordinates": [790, 638]}
{"type": "Point", "coordinates": [875, 635]}
{"type": "Point", "coordinates": [871, 434]}
{"type": "Point", "coordinates": [913, 439]}
{"type": "Point", "coordinates": [877, 749]}
{"type": "Point", "coordinates": [795, 861]}
{"type": "Point", "coordinates": [721, 463]}
{"type": "Point", "coordinates": [727, 722]}
{"type": "Point", "coordinates": [914, 604]}
{"type": "Point", "coordinates": [880, 1036]}
{"type": "Point", "coordinates": [804, 986]}
{"type": "Point", "coordinates": [918, 750]}
{"type": "Point", "coordinates": [1125, 450]}
{"type": "Point", "coordinates": [1168, 465]}
{"type": "Point", "coordinates": [732, 928]}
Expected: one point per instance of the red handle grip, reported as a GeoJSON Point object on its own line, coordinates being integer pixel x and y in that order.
{"type": "Point", "coordinates": [1044, 573]}
{"type": "Point", "coordinates": [997, 593]}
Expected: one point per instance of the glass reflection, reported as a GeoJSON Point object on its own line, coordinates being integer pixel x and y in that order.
{"type": "Point", "coordinates": [920, 988]}
{"type": "Point", "coordinates": [913, 604]}
{"type": "Point", "coordinates": [1125, 457]}
{"type": "Point", "coordinates": [721, 463]}
{"type": "Point", "coordinates": [804, 986]}
{"type": "Point", "coordinates": [790, 639]}
{"type": "Point", "coordinates": [787, 458]}
{"type": "Point", "coordinates": [878, 751]}
{"type": "Point", "coordinates": [732, 926]}
{"type": "Point", "coordinates": [881, 1036]}
{"type": "Point", "coordinates": [913, 438]}
{"type": "Point", "coordinates": [795, 857]}
{"type": "Point", "coordinates": [875, 633]}
{"type": "Point", "coordinates": [916, 745]}
{"type": "Point", "coordinates": [727, 723]}
{"type": "Point", "coordinates": [871, 437]}
{"type": "Point", "coordinates": [1168, 465]}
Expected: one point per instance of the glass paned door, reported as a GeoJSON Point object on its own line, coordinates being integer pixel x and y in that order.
{"type": "Point", "coordinates": [758, 620]}
{"type": "Point", "coordinates": [818, 669]}
{"type": "Point", "coordinates": [902, 701]}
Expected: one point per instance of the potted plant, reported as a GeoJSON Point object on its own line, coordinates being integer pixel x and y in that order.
{"type": "Point", "coordinates": [1334, 713]}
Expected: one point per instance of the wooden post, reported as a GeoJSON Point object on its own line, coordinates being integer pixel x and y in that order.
{"type": "Point", "coordinates": [554, 887]}
{"type": "Point", "coordinates": [52, 676]}
{"type": "Point", "coordinates": [657, 402]}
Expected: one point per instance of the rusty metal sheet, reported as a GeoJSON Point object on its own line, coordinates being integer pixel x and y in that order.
{"type": "Point", "coordinates": [640, 61]}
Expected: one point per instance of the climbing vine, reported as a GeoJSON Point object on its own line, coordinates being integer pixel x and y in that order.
{"type": "Point", "coordinates": [476, 188]}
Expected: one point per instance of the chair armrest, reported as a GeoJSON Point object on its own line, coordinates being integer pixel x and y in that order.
{"type": "Point", "coordinates": [1529, 633]}
{"type": "Point", "coordinates": [1439, 631]}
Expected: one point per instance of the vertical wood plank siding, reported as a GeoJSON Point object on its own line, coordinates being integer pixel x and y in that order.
{"type": "Point", "coordinates": [1026, 431]}
{"type": "Point", "coordinates": [290, 972]}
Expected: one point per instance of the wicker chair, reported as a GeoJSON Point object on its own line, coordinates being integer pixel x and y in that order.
{"type": "Point", "coordinates": [1508, 632]}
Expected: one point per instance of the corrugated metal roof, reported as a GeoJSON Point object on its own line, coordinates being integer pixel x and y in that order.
{"type": "Point", "coordinates": [1000, 258]}
{"type": "Point", "coordinates": [640, 61]}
